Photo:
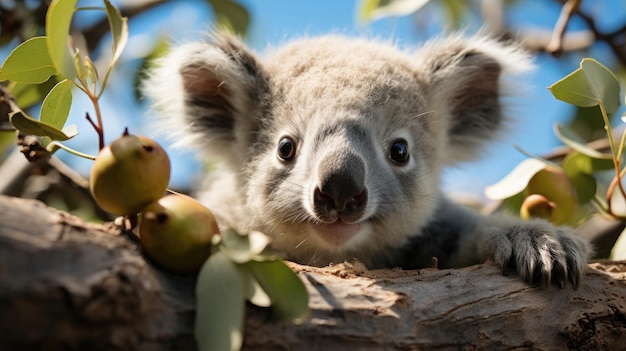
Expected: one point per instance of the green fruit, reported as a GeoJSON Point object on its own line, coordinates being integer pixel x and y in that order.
{"type": "Point", "coordinates": [176, 233]}
{"type": "Point", "coordinates": [557, 188]}
{"type": "Point", "coordinates": [129, 174]}
{"type": "Point", "coordinates": [536, 205]}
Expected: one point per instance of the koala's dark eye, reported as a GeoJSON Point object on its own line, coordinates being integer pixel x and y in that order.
{"type": "Point", "coordinates": [399, 151]}
{"type": "Point", "coordinates": [286, 149]}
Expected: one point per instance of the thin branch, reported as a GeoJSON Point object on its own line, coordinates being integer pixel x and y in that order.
{"type": "Point", "coordinates": [555, 46]}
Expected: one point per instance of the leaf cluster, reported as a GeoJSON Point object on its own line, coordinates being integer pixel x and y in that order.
{"type": "Point", "coordinates": [49, 58]}
{"type": "Point", "coordinates": [240, 271]}
{"type": "Point", "coordinates": [582, 170]}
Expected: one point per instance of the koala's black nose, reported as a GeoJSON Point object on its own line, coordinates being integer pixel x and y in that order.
{"type": "Point", "coordinates": [341, 193]}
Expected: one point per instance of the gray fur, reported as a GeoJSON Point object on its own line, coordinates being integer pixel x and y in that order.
{"type": "Point", "coordinates": [347, 105]}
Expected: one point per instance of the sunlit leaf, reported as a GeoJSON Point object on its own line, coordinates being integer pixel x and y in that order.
{"type": "Point", "coordinates": [579, 168]}
{"type": "Point", "coordinates": [618, 202]}
{"type": "Point", "coordinates": [256, 295]}
{"type": "Point", "coordinates": [220, 305]}
{"type": "Point", "coordinates": [32, 126]}
{"type": "Point", "coordinates": [231, 15]}
{"type": "Point", "coordinates": [569, 138]}
{"type": "Point", "coordinates": [576, 162]}
{"type": "Point", "coordinates": [58, 21]}
{"type": "Point", "coordinates": [91, 73]}
{"type": "Point", "coordinates": [590, 85]}
{"type": "Point", "coordinates": [604, 83]}
{"type": "Point", "coordinates": [27, 95]}
{"type": "Point", "coordinates": [372, 10]}
{"type": "Point", "coordinates": [290, 300]}
{"type": "Point", "coordinates": [56, 106]}
{"type": "Point", "coordinates": [119, 30]}
{"type": "Point", "coordinates": [242, 248]}
{"type": "Point", "coordinates": [29, 63]}
{"type": "Point", "coordinates": [516, 181]}
{"type": "Point", "coordinates": [618, 252]}
{"type": "Point", "coordinates": [160, 48]}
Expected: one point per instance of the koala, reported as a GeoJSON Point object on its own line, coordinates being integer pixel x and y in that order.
{"type": "Point", "coordinates": [333, 146]}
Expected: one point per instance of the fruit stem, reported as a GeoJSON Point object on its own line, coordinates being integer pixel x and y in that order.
{"type": "Point", "coordinates": [53, 145]}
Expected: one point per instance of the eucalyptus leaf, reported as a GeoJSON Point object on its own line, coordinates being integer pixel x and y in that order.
{"type": "Point", "coordinates": [56, 106]}
{"type": "Point", "coordinates": [569, 138]}
{"type": "Point", "coordinates": [231, 15]}
{"type": "Point", "coordinates": [119, 30]}
{"type": "Point", "coordinates": [618, 252]}
{"type": "Point", "coordinates": [603, 82]}
{"type": "Point", "coordinates": [590, 85]}
{"type": "Point", "coordinates": [58, 21]}
{"type": "Point", "coordinates": [27, 95]}
{"type": "Point", "coordinates": [256, 295]}
{"type": "Point", "coordinates": [579, 169]}
{"type": "Point", "coordinates": [241, 248]}
{"type": "Point", "coordinates": [29, 63]}
{"type": "Point", "coordinates": [32, 126]}
{"type": "Point", "coordinates": [576, 162]}
{"type": "Point", "coordinates": [372, 10]}
{"type": "Point", "coordinates": [220, 305]}
{"type": "Point", "coordinates": [516, 181]}
{"type": "Point", "coordinates": [290, 300]}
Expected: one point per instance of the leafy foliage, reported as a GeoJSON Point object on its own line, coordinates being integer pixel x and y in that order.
{"type": "Point", "coordinates": [47, 68]}
{"type": "Point", "coordinates": [579, 172]}
{"type": "Point", "coordinates": [240, 271]}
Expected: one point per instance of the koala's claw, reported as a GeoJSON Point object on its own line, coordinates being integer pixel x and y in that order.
{"type": "Point", "coordinates": [541, 253]}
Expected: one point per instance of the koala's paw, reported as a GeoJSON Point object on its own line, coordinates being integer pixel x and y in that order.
{"type": "Point", "coordinates": [541, 253]}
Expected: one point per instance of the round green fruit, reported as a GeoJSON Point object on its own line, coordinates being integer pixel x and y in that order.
{"type": "Point", "coordinates": [129, 174]}
{"type": "Point", "coordinates": [556, 187]}
{"type": "Point", "coordinates": [176, 233]}
{"type": "Point", "coordinates": [537, 206]}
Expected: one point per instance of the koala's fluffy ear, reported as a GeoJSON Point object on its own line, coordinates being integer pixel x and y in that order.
{"type": "Point", "coordinates": [217, 87]}
{"type": "Point", "coordinates": [465, 83]}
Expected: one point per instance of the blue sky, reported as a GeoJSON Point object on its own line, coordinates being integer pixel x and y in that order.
{"type": "Point", "coordinates": [277, 21]}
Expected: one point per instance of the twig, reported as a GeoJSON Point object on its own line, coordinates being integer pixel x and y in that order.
{"type": "Point", "coordinates": [555, 46]}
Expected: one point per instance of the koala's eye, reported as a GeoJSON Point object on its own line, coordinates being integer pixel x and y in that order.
{"type": "Point", "coordinates": [286, 149]}
{"type": "Point", "coordinates": [399, 151]}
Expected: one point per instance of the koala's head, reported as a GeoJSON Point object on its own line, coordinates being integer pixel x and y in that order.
{"type": "Point", "coordinates": [336, 144]}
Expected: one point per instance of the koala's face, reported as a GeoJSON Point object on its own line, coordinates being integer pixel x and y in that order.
{"type": "Point", "coordinates": [335, 145]}
{"type": "Point", "coordinates": [348, 160]}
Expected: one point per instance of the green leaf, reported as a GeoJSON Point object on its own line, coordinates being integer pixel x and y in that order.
{"type": "Point", "coordinates": [618, 252]}
{"type": "Point", "coordinates": [56, 106]}
{"type": "Point", "coordinates": [516, 181]}
{"type": "Point", "coordinates": [256, 295]}
{"type": "Point", "coordinates": [30, 63]}
{"type": "Point", "coordinates": [231, 15]}
{"type": "Point", "coordinates": [590, 85]}
{"type": "Point", "coordinates": [579, 169]}
{"type": "Point", "coordinates": [576, 162]}
{"type": "Point", "coordinates": [220, 305]}
{"type": "Point", "coordinates": [58, 21]}
{"type": "Point", "coordinates": [241, 248]}
{"type": "Point", "coordinates": [569, 138]}
{"type": "Point", "coordinates": [27, 95]}
{"type": "Point", "coordinates": [372, 10]}
{"type": "Point", "coordinates": [290, 300]}
{"type": "Point", "coordinates": [119, 30]}
{"type": "Point", "coordinates": [32, 126]}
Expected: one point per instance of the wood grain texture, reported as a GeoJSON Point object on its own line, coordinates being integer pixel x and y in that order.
{"type": "Point", "coordinates": [69, 285]}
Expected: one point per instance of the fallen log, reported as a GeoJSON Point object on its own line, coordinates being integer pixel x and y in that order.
{"type": "Point", "coordinates": [70, 285]}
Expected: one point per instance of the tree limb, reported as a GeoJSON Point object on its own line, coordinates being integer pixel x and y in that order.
{"type": "Point", "coordinates": [69, 285]}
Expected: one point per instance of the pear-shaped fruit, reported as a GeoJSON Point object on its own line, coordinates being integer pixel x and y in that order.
{"type": "Point", "coordinates": [557, 188]}
{"type": "Point", "coordinates": [129, 174]}
{"type": "Point", "coordinates": [537, 206]}
{"type": "Point", "coordinates": [176, 233]}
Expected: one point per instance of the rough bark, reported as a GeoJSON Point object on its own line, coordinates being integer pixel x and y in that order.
{"type": "Point", "coordinates": [68, 285]}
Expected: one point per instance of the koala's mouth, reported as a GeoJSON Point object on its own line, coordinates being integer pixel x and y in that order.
{"type": "Point", "coordinates": [337, 233]}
